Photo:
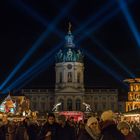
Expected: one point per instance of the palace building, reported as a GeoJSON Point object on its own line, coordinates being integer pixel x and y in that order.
{"type": "Point", "coordinates": [69, 86]}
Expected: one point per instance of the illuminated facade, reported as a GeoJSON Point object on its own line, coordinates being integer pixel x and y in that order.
{"type": "Point", "coordinates": [69, 86]}
{"type": "Point", "coordinates": [133, 94]}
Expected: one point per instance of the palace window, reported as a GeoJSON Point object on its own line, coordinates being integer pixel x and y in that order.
{"type": "Point", "coordinates": [112, 106]}
{"type": "Point", "coordinates": [104, 106]}
{"type": "Point", "coordinates": [60, 77]}
{"type": "Point", "coordinates": [78, 77]}
{"type": "Point", "coordinates": [69, 104]}
{"type": "Point", "coordinates": [69, 76]}
{"type": "Point", "coordinates": [78, 104]}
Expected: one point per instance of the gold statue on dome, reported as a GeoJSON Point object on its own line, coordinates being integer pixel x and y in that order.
{"type": "Point", "coordinates": [69, 28]}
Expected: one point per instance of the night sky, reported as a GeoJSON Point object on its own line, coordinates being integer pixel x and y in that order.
{"type": "Point", "coordinates": [23, 21]}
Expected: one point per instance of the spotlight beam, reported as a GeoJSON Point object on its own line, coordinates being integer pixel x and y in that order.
{"type": "Point", "coordinates": [117, 61]}
{"type": "Point", "coordinates": [96, 16]}
{"type": "Point", "coordinates": [35, 15]}
{"type": "Point", "coordinates": [28, 76]}
{"type": "Point", "coordinates": [95, 41]}
{"type": "Point", "coordinates": [111, 16]}
{"type": "Point", "coordinates": [117, 77]}
{"type": "Point", "coordinates": [38, 42]}
{"type": "Point", "coordinates": [35, 69]}
{"type": "Point", "coordinates": [44, 22]}
{"type": "Point", "coordinates": [130, 21]}
{"type": "Point", "coordinates": [100, 23]}
{"type": "Point", "coordinates": [43, 39]}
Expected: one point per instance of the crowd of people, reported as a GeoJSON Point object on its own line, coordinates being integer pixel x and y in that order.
{"type": "Point", "coordinates": [104, 127]}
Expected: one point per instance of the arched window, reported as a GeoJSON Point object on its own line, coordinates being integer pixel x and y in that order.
{"type": "Point", "coordinates": [78, 77]}
{"type": "Point", "coordinates": [69, 76]}
{"type": "Point", "coordinates": [69, 104]}
{"type": "Point", "coordinates": [61, 107]}
{"type": "Point", "coordinates": [60, 77]}
{"type": "Point", "coordinates": [78, 104]}
{"type": "Point", "coordinates": [104, 105]}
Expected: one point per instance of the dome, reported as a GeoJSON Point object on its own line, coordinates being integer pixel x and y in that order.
{"type": "Point", "coordinates": [69, 53]}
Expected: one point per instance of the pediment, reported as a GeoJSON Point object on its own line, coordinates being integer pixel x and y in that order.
{"type": "Point", "coordinates": [68, 90]}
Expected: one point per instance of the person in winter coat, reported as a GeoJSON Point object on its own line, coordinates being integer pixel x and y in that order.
{"type": "Point", "coordinates": [91, 131]}
{"type": "Point", "coordinates": [4, 129]}
{"type": "Point", "coordinates": [32, 130]}
{"type": "Point", "coordinates": [21, 132]}
{"type": "Point", "coordinates": [11, 130]}
{"type": "Point", "coordinates": [65, 131]}
{"type": "Point", "coordinates": [136, 129]}
{"type": "Point", "coordinates": [125, 129]}
{"type": "Point", "coordinates": [109, 129]}
{"type": "Point", "coordinates": [50, 129]}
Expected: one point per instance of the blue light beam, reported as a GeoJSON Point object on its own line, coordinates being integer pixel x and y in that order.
{"type": "Point", "coordinates": [30, 12]}
{"type": "Point", "coordinates": [130, 21]}
{"type": "Point", "coordinates": [84, 26]}
{"type": "Point", "coordinates": [100, 23]}
{"type": "Point", "coordinates": [29, 76]}
{"type": "Point", "coordinates": [41, 64]}
{"type": "Point", "coordinates": [112, 57]}
{"type": "Point", "coordinates": [89, 31]}
{"type": "Point", "coordinates": [105, 50]}
{"type": "Point", "coordinates": [36, 44]}
{"type": "Point", "coordinates": [94, 17]}
{"type": "Point", "coordinates": [117, 77]}
{"type": "Point", "coordinates": [39, 42]}
{"type": "Point", "coordinates": [94, 40]}
{"type": "Point", "coordinates": [110, 16]}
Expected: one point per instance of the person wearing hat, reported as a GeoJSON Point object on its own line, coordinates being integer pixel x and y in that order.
{"type": "Point", "coordinates": [109, 129]}
{"type": "Point", "coordinates": [91, 131]}
{"type": "Point", "coordinates": [125, 129]}
{"type": "Point", "coordinates": [65, 131]}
